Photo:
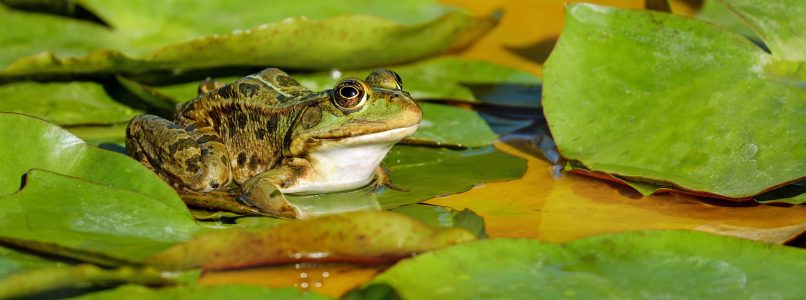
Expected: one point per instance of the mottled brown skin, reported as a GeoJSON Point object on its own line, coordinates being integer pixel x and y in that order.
{"type": "Point", "coordinates": [259, 132]}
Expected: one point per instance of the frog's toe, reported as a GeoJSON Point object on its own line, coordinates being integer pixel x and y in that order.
{"type": "Point", "coordinates": [269, 200]}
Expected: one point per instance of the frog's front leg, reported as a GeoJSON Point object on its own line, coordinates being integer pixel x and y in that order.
{"type": "Point", "coordinates": [193, 157]}
{"type": "Point", "coordinates": [264, 190]}
{"type": "Point", "coordinates": [382, 180]}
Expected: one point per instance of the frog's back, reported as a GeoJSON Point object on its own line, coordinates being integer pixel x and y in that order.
{"type": "Point", "coordinates": [251, 116]}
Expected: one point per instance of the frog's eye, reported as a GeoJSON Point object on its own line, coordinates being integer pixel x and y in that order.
{"type": "Point", "coordinates": [399, 81]}
{"type": "Point", "coordinates": [385, 79]}
{"type": "Point", "coordinates": [349, 94]}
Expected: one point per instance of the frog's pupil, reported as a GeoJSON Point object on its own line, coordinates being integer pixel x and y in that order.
{"type": "Point", "coordinates": [397, 77]}
{"type": "Point", "coordinates": [348, 92]}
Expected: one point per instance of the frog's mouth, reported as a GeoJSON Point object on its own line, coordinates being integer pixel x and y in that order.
{"type": "Point", "coordinates": [381, 137]}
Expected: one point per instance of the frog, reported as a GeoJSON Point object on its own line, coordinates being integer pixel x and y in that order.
{"type": "Point", "coordinates": [268, 136]}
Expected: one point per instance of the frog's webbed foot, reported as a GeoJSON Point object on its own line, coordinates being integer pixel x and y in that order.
{"type": "Point", "coordinates": [263, 192]}
{"type": "Point", "coordinates": [383, 180]}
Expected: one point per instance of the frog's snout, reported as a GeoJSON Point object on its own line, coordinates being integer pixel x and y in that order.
{"type": "Point", "coordinates": [411, 112]}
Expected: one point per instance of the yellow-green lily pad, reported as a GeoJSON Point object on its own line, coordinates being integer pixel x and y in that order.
{"type": "Point", "coordinates": [358, 237]}
{"type": "Point", "coordinates": [633, 265]}
{"type": "Point", "coordinates": [201, 292]}
{"type": "Point", "coordinates": [179, 35]}
{"type": "Point", "coordinates": [40, 282]}
{"type": "Point", "coordinates": [679, 102]}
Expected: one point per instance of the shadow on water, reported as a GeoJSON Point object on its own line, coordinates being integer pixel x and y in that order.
{"type": "Point", "coordinates": [537, 52]}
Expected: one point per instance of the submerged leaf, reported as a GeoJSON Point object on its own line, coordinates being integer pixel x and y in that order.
{"type": "Point", "coordinates": [677, 102]}
{"type": "Point", "coordinates": [200, 292]}
{"type": "Point", "coordinates": [441, 216]}
{"type": "Point", "coordinates": [361, 237]}
{"type": "Point", "coordinates": [72, 217]}
{"type": "Point", "coordinates": [426, 173]}
{"type": "Point", "coordinates": [635, 265]}
{"type": "Point", "coordinates": [72, 103]}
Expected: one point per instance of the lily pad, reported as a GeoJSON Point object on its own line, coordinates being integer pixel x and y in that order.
{"type": "Point", "coordinates": [717, 13]}
{"type": "Point", "coordinates": [233, 291]}
{"type": "Point", "coordinates": [72, 103]}
{"type": "Point", "coordinates": [635, 265]}
{"type": "Point", "coordinates": [441, 216]}
{"type": "Point", "coordinates": [175, 37]}
{"type": "Point", "coordinates": [15, 261]}
{"type": "Point", "coordinates": [360, 237]}
{"type": "Point", "coordinates": [426, 173]}
{"type": "Point", "coordinates": [36, 144]}
{"type": "Point", "coordinates": [679, 102]}
{"type": "Point", "coordinates": [37, 282]}
{"type": "Point", "coordinates": [71, 217]}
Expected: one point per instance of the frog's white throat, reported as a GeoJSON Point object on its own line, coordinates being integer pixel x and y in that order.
{"type": "Point", "coordinates": [348, 163]}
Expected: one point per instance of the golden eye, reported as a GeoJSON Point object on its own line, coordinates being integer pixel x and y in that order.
{"type": "Point", "coordinates": [349, 94]}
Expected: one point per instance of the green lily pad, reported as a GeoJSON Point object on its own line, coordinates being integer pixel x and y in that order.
{"type": "Point", "coordinates": [717, 13]}
{"type": "Point", "coordinates": [780, 25]}
{"type": "Point", "coordinates": [446, 125]}
{"type": "Point", "coordinates": [442, 125]}
{"type": "Point", "coordinates": [426, 173]}
{"type": "Point", "coordinates": [679, 102]}
{"type": "Point", "coordinates": [447, 78]}
{"type": "Point", "coordinates": [36, 144]}
{"type": "Point", "coordinates": [180, 35]}
{"type": "Point", "coordinates": [368, 237]}
{"type": "Point", "coordinates": [71, 217]}
{"type": "Point", "coordinates": [15, 261]}
{"type": "Point", "coordinates": [200, 292]}
{"type": "Point", "coordinates": [635, 265]}
{"type": "Point", "coordinates": [72, 103]}
{"type": "Point", "coordinates": [105, 135]}
{"type": "Point", "coordinates": [37, 282]}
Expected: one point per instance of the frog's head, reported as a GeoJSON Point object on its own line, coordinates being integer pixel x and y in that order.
{"type": "Point", "coordinates": [357, 113]}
